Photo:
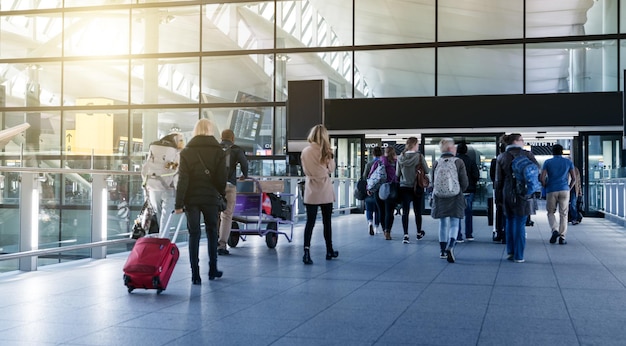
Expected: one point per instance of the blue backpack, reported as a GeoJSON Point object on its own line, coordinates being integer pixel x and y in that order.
{"type": "Point", "coordinates": [525, 176]}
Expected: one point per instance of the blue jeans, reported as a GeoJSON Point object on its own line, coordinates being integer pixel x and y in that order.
{"type": "Point", "coordinates": [515, 228]}
{"type": "Point", "coordinates": [469, 220]}
{"type": "Point", "coordinates": [573, 210]}
{"type": "Point", "coordinates": [448, 228]}
{"type": "Point", "coordinates": [371, 210]}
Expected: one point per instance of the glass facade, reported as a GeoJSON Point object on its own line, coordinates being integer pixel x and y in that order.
{"type": "Point", "coordinates": [98, 80]}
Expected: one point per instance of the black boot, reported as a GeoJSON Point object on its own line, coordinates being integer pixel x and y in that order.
{"type": "Point", "coordinates": [307, 257]}
{"type": "Point", "coordinates": [450, 250]}
{"type": "Point", "coordinates": [213, 272]}
{"type": "Point", "coordinates": [442, 245]}
{"type": "Point", "coordinates": [330, 254]}
{"type": "Point", "coordinates": [195, 275]}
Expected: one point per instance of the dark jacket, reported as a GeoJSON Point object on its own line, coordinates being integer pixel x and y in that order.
{"type": "Point", "coordinates": [450, 206]}
{"type": "Point", "coordinates": [505, 194]}
{"type": "Point", "coordinates": [237, 156]}
{"type": "Point", "coordinates": [473, 175]}
{"type": "Point", "coordinates": [195, 187]}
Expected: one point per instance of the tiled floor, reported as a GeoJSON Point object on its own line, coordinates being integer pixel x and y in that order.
{"type": "Point", "coordinates": [376, 293]}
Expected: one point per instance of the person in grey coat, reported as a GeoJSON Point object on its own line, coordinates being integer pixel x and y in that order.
{"type": "Point", "coordinates": [406, 166]}
{"type": "Point", "coordinates": [449, 210]}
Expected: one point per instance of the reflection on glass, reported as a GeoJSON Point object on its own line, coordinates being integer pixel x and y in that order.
{"type": "Point", "coordinates": [480, 70]}
{"type": "Point", "coordinates": [230, 26]}
{"type": "Point", "coordinates": [480, 20]}
{"type": "Point", "coordinates": [165, 29]}
{"type": "Point", "coordinates": [403, 22]}
{"type": "Point", "coordinates": [251, 125]}
{"type": "Point", "coordinates": [313, 23]}
{"type": "Point", "coordinates": [96, 33]}
{"type": "Point", "coordinates": [584, 66]}
{"type": "Point", "coordinates": [406, 72]}
{"type": "Point", "coordinates": [165, 80]}
{"type": "Point", "coordinates": [41, 31]}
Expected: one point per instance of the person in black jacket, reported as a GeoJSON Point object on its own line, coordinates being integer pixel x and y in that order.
{"type": "Point", "coordinates": [234, 155]}
{"type": "Point", "coordinates": [202, 179]}
{"type": "Point", "coordinates": [473, 175]}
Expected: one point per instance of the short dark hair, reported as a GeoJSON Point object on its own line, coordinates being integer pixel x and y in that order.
{"type": "Point", "coordinates": [557, 149]}
{"type": "Point", "coordinates": [378, 151]}
{"type": "Point", "coordinates": [461, 148]}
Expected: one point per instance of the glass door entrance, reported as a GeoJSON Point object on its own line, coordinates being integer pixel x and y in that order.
{"type": "Point", "coordinates": [348, 151]}
{"type": "Point", "coordinates": [481, 148]}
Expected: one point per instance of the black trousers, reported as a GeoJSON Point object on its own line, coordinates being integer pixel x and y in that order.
{"type": "Point", "coordinates": [311, 216]}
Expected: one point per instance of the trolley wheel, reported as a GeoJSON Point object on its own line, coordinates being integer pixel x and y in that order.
{"type": "Point", "coordinates": [159, 290]}
{"type": "Point", "coordinates": [233, 239]}
{"type": "Point", "coordinates": [271, 238]}
{"type": "Point", "coordinates": [130, 289]}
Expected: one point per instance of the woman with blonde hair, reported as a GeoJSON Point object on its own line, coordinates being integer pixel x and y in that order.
{"type": "Point", "coordinates": [318, 165]}
{"type": "Point", "coordinates": [202, 179]}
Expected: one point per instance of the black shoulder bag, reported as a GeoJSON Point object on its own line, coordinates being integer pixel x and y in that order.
{"type": "Point", "coordinates": [221, 200]}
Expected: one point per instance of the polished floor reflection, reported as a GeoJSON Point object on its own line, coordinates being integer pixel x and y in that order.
{"type": "Point", "coordinates": [376, 292]}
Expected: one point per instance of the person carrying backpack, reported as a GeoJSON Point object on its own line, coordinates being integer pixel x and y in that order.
{"type": "Point", "coordinates": [515, 205]}
{"type": "Point", "coordinates": [160, 175]}
{"type": "Point", "coordinates": [449, 180]}
{"type": "Point", "coordinates": [408, 162]}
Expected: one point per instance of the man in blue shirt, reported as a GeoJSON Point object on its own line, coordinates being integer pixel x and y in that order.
{"type": "Point", "coordinates": [554, 177]}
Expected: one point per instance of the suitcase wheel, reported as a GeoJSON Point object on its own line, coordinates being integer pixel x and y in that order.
{"type": "Point", "coordinates": [130, 289]}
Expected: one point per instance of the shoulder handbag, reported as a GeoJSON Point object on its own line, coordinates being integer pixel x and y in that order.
{"type": "Point", "coordinates": [221, 200]}
{"type": "Point", "coordinates": [421, 178]}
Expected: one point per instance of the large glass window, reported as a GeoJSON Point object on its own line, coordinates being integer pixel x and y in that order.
{"type": "Point", "coordinates": [165, 81]}
{"type": "Point", "coordinates": [304, 23]}
{"type": "Point", "coordinates": [96, 33]}
{"type": "Point", "coordinates": [478, 70]}
{"type": "Point", "coordinates": [239, 78]}
{"type": "Point", "coordinates": [396, 72]}
{"type": "Point", "coordinates": [31, 84]}
{"type": "Point", "coordinates": [239, 25]}
{"type": "Point", "coordinates": [166, 29]}
{"type": "Point", "coordinates": [393, 22]}
{"type": "Point", "coordinates": [99, 82]}
{"type": "Point", "coordinates": [335, 68]}
{"type": "Point", "coordinates": [30, 36]}
{"type": "Point", "coordinates": [252, 127]}
{"type": "Point", "coordinates": [480, 20]}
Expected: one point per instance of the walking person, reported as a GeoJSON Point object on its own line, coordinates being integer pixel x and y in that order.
{"type": "Point", "coordinates": [372, 214]}
{"type": "Point", "coordinates": [202, 179]}
{"type": "Point", "coordinates": [499, 235]}
{"type": "Point", "coordinates": [554, 176]}
{"type": "Point", "coordinates": [160, 174]}
{"type": "Point", "coordinates": [576, 197]}
{"type": "Point", "coordinates": [449, 180]}
{"type": "Point", "coordinates": [407, 165]}
{"type": "Point", "coordinates": [515, 208]}
{"type": "Point", "coordinates": [473, 175]}
{"type": "Point", "coordinates": [233, 156]}
{"type": "Point", "coordinates": [387, 207]}
{"type": "Point", "coordinates": [318, 165]}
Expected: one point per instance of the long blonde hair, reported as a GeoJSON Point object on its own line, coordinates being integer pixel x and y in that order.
{"type": "Point", "coordinates": [204, 127]}
{"type": "Point", "coordinates": [319, 135]}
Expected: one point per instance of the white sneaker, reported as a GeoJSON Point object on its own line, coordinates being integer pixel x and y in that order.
{"type": "Point", "coordinates": [378, 231]}
{"type": "Point", "coordinates": [406, 239]}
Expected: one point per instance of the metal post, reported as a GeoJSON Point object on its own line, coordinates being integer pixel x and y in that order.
{"type": "Point", "coordinates": [29, 219]}
{"type": "Point", "coordinates": [99, 204]}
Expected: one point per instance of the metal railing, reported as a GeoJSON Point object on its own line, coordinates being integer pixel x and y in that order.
{"type": "Point", "coordinates": [99, 206]}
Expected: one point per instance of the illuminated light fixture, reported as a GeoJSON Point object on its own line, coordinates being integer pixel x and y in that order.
{"type": "Point", "coordinates": [34, 210]}
{"type": "Point", "coordinates": [280, 57]}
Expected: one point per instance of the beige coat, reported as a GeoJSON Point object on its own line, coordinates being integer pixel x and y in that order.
{"type": "Point", "coordinates": [319, 187]}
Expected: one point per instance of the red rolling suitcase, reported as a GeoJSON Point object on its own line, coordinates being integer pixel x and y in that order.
{"type": "Point", "coordinates": [152, 261]}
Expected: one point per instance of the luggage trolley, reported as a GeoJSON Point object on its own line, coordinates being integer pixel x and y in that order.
{"type": "Point", "coordinates": [249, 212]}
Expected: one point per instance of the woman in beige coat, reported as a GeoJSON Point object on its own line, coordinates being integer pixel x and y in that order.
{"type": "Point", "coordinates": [318, 164]}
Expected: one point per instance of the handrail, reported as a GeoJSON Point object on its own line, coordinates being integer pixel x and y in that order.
{"type": "Point", "coordinates": [66, 170]}
{"type": "Point", "coordinates": [41, 252]}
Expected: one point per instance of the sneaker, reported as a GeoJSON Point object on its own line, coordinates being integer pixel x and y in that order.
{"type": "Point", "coordinates": [443, 254]}
{"type": "Point", "coordinates": [377, 230]}
{"type": "Point", "coordinates": [520, 261]}
{"type": "Point", "coordinates": [469, 238]}
{"type": "Point", "coordinates": [460, 241]}
{"type": "Point", "coordinates": [420, 234]}
{"type": "Point", "coordinates": [575, 222]}
{"type": "Point", "coordinates": [450, 253]}
{"type": "Point", "coordinates": [387, 235]}
{"type": "Point", "coordinates": [509, 257]}
{"type": "Point", "coordinates": [223, 252]}
{"type": "Point", "coordinates": [406, 239]}
{"type": "Point", "coordinates": [562, 241]}
{"type": "Point", "coordinates": [555, 234]}
{"type": "Point", "coordinates": [371, 229]}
